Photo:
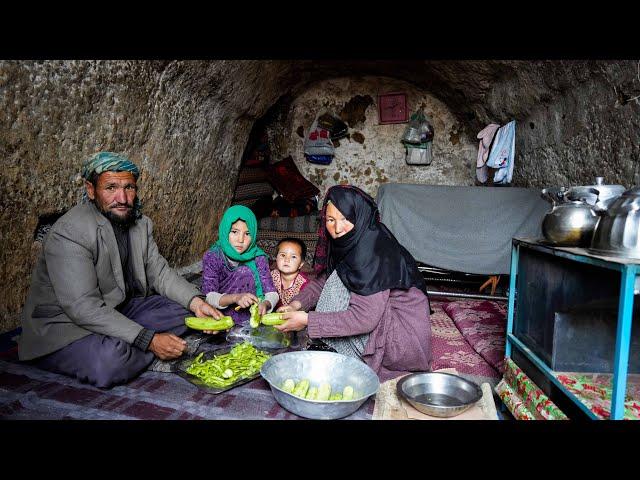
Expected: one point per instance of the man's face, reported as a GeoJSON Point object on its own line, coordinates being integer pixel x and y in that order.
{"type": "Point", "coordinates": [114, 195]}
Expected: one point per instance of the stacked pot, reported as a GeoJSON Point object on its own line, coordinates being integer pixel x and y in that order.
{"type": "Point", "coordinates": [603, 218]}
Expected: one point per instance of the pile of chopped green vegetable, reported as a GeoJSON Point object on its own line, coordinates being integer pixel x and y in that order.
{"type": "Point", "coordinates": [242, 361]}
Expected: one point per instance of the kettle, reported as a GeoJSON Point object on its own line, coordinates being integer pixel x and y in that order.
{"type": "Point", "coordinates": [570, 223]}
{"type": "Point", "coordinates": [601, 201]}
{"type": "Point", "coordinates": [618, 232]}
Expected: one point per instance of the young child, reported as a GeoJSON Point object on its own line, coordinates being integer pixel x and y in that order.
{"type": "Point", "coordinates": [287, 277]}
{"type": "Point", "coordinates": [235, 272]}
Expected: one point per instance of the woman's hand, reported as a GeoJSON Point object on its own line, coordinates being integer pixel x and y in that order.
{"type": "Point", "coordinates": [292, 307]}
{"type": "Point", "coordinates": [294, 321]}
{"type": "Point", "coordinates": [264, 307]}
{"type": "Point", "coordinates": [245, 300]}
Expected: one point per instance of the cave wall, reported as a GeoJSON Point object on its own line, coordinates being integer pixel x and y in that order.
{"type": "Point", "coordinates": [587, 129]}
{"type": "Point", "coordinates": [184, 123]}
{"type": "Point", "coordinates": [372, 154]}
{"type": "Point", "coordinates": [575, 119]}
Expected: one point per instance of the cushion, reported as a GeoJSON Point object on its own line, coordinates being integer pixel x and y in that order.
{"type": "Point", "coordinates": [282, 208]}
{"type": "Point", "coordinates": [261, 207]}
{"type": "Point", "coordinates": [252, 175]}
{"type": "Point", "coordinates": [253, 190]}
{"type": "Point", "coordinates": [289, 182]}
{"type": "Point", "coordinates": [304, 223]}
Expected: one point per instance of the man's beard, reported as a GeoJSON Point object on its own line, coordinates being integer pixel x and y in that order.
{"type": "Point", "coordinates": [124, 222]}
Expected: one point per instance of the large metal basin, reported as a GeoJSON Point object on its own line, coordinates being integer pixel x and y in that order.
{"type": "Point", "coordinates": [320, 367]}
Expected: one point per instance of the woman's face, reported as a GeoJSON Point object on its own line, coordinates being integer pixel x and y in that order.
{"type": "Point", "coordinates": [239, 236]}
{"type": "Point", "coordinates": [336, 224]}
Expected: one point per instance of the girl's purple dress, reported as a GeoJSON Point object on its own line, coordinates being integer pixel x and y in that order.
{"type": "Point", "coordinates": [218, 275]}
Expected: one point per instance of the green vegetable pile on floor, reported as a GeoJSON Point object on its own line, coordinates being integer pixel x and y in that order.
{"type": "Point", "coordinates": [243, 361]}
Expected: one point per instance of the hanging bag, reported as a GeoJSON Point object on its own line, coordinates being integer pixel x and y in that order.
{"type": "Point", "coordinates": [417, 138]}
{"type": "Point", "coordinates": [318, 143]}
{"type": "Point", "coordinates": [419, 154]}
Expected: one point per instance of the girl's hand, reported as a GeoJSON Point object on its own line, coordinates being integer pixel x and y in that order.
{"type": "Point", "coordinates": [264, 307]}
{"type": "Point", "coordinates": [245, 300]}
{"type": "Point", "coordinates": [292, 307]}
{"type": "Point", "coordinates": [294, 321]}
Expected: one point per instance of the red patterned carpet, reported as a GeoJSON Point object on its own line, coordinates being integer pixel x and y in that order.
{"type": "Point", "coordinates": [452, 350]}
{"type": "Point", "coordinates": [27, 392]}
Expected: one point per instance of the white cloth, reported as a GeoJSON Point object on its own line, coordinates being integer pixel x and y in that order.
{"type": "Point", "coordinates": [502, 153]}
{"type": "Point", "coordinates": [486, 137]}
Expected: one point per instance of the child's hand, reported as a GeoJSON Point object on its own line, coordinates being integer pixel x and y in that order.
{"type": "Point", "coordinates": [264, 307]}
{"type": "Point", "coordinates": [245, 300]}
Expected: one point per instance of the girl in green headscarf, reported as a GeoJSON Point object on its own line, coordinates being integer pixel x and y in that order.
{"type": "Point", "coordinates": [235, 271]}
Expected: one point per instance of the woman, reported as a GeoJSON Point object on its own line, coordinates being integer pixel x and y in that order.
{"type": "Point", "coordinates": [370, 301]}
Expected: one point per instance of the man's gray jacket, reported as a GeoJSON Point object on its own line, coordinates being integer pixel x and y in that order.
{"type": "Point", "coordinates": [78, 282]}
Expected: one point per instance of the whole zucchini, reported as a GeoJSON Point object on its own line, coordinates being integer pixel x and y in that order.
{"type": "Point", "coordinates": [272, 319]}
{"type": "Point", "coordinates": [209, 323]}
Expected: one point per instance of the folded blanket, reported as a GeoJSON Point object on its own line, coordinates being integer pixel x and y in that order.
{"type": "Point", "coordinates": [305, 223]}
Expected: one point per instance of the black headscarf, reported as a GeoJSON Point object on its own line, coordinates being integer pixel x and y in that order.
{"type": "Point", "coordinates": [368, 259]}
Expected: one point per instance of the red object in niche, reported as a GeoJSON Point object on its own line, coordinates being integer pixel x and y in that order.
{"type": "Point", "coordinates": [289, 182]}
{"type": "Point", "coordinates": [392, 108]}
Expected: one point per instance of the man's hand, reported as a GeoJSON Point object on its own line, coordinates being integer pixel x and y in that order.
{"type": "Point", "coordinates": [294, 322]}
{"type": "Point", "coordinates": [292, 307]}
{"type": "Point", "coordinates": [203, 309]}
{"type": "Point", "coordinates": [167, 346]}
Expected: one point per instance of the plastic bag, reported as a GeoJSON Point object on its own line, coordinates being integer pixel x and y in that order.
{"type": "Point", "coordinates": [419, 154]}
{"type": "Point", "coordinates": [264, 336]}
{"type": "Point", "coordinates": [419, 130]}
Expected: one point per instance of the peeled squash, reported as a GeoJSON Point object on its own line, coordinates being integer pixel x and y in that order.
{"type": "Point", "coordinates": [289, 385]}
{"type": "Point", "coordinates": [312, 394]}
{"type": "Point", "coordinates": [347, 393]}
{"type": "Point", "coordinates": [324, 392]}
{"type": "Point", "coordinates": [209, 323]}
{"type": "Point", "coordinates": [254, 319]}
{"type": "Point", "coordinates": [301, 388]}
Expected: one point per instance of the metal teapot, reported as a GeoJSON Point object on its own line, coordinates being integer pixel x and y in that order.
{"type": "Point", "coordinates": [570, 223]}
{"type": "Point", "coordinates": [618, 232]}
{"type": "Point", "coordinates": [601, 201]}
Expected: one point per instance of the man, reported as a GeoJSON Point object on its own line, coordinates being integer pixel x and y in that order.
{"type": "Point", "coordinates": [103, 302]}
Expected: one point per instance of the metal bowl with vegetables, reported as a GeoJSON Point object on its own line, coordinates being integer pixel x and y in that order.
{"type": "Point", "coordinates": [319, 385]}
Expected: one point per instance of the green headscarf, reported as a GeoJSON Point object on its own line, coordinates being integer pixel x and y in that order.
{"type": "Point", "coordinates": [231, 216]}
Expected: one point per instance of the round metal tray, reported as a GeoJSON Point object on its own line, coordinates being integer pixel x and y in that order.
{"type": "Point", "coordinates": [439, 394]}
